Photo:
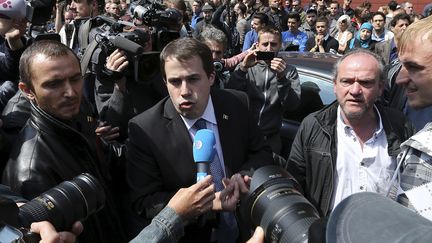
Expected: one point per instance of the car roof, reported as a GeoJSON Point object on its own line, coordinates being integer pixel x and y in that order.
{"type": "Point", "coordinates": [320, 64]}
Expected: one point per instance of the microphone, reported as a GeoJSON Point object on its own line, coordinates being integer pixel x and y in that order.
{"type": "Point", "coordinates": [127, 45]}
{"type": "Point", "coordinates": [203, 151]}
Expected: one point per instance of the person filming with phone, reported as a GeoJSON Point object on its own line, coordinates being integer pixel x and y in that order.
{"type": "Point", "coordinates": [271, 84]}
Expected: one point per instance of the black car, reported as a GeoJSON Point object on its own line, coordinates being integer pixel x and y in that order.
{"type": "Point", "coordinates": [316, 74]}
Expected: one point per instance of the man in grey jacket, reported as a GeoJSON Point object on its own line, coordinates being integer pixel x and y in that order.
{"type": "Point", "coordinates": [272, 85]}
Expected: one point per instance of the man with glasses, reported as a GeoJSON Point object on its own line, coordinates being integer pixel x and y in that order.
{"type": "Point", "coordinates": [351, 145]}
{"type": "Point", "coordinates": [380, 32]}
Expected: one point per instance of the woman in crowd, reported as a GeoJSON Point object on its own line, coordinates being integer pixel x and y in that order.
{"type": "Point", "coordinates": [363, 38]}
{"type": "Point", "coordinates": [344, 35]}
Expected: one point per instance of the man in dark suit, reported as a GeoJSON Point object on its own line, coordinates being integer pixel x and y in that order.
{"type": "Point", "coordinates": [160, 157]}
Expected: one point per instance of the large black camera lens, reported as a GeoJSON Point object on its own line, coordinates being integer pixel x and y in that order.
{"type": "Point", "coordinates": [66, 203]}
{"type": "Point", "coordinates": [275, 203]}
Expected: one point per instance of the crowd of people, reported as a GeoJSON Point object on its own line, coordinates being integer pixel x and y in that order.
{"type": "Point", "coordinates": [125, 106]}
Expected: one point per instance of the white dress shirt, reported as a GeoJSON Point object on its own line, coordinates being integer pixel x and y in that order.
{"type": "Point", "coordinates": [361, 169]}
{"type": "Point", "coordinates": [211, 123]}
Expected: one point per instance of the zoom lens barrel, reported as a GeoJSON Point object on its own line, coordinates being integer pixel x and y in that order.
{"type": "Point", "coordinates": [65, 204]}
{"type": "Point", "coordinates": [275, 203]}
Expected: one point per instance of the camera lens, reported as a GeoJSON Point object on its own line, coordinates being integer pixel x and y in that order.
{"type": "Point", "coordinates": [218, 66]}
{"type": "Point", "coordinates": [275, 203]}
{"type": "Point", "coordinates": [66, 203]}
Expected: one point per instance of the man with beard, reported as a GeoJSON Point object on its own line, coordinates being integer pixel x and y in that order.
{"type": "Point", "coordinates": [351, 145]}
{"type": "Point", "coordinates": [309, 25]}
{"type": "Point", "coordinates": [58, 142]}
{"type": "Point", "coordinates": [277, 15]}
{"type": "Point", "coordinates": [207, 13]}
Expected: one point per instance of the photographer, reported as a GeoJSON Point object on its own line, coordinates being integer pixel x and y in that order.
{"type": "Point", "coordinates": [271, 84]}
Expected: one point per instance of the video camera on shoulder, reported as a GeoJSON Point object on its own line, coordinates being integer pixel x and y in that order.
{"type": "Point", "coordinates": [62, 205]}
{"type": "Point", "coordinates": [110, 35]}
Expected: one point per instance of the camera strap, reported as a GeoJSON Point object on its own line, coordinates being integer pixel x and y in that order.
{"type": "Point", "coordinates": [85, 59]}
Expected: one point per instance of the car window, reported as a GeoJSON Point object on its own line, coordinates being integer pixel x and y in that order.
{"type": "Point", "coordinates": [316, 92]}
{"type": "Point", "coordinates": [323, 86]}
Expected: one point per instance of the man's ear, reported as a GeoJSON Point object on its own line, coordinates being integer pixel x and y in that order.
{"type": "Point", "coordinates": [26, 90]}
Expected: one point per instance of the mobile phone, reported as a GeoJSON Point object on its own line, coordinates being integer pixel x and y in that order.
{"type": "Point", "coordinates": [265, 55]}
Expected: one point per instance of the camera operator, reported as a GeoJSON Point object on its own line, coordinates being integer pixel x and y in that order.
{"type": "Point", "coordinates": [120, 93]}
{"type": "Point", "coordinates": [118, 96]}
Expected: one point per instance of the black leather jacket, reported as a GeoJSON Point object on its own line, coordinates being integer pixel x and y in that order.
{"type": "Point", "coordinates": [312, 160]}
{"type": "Point", "coordinates": [49, 151]}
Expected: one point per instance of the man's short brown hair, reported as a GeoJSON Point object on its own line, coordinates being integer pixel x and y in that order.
{"type": "Point", "coordinates": [48, 48]}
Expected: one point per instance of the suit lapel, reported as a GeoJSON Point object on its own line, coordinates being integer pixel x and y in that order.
{"type": "Point", "coordinates": [177, 131]}
{"type": "Point", "coordinates": [223, 115]}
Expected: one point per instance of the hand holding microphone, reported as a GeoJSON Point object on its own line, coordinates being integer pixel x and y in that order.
{"type": "Point", "coordinates": [195, 200]}
{"type": "Point", "coordinates": [203, 153]}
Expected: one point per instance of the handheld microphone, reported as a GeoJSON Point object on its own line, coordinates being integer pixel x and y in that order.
{"type": "Point", "coordinates": [203, 151]}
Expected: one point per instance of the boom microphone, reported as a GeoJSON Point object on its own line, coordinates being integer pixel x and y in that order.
{"type": "Point", "coordinates": [127, 45]}
{"type": "Point", "coordinates": [203, 151]}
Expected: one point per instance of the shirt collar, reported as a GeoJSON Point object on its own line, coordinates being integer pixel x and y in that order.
{"type": "Point", "coordinates": [341, 123]}
{"type": "Point", "coordinates": [377, 37]}
{"type": "Point", "coordinates": [208, 115]}
{"type": "Point", "coordinates": [326, 37]}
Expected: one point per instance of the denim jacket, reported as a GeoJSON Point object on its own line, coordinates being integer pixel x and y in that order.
{"type": "Point", "coordinates": [167, 226]}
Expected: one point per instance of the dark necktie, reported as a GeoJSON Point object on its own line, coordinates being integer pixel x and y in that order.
{"type": "Point", "coordinates": [227, 231]}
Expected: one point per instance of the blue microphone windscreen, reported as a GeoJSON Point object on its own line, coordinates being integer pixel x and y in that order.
{"type": "Point", "coordinates": [203, 145]}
